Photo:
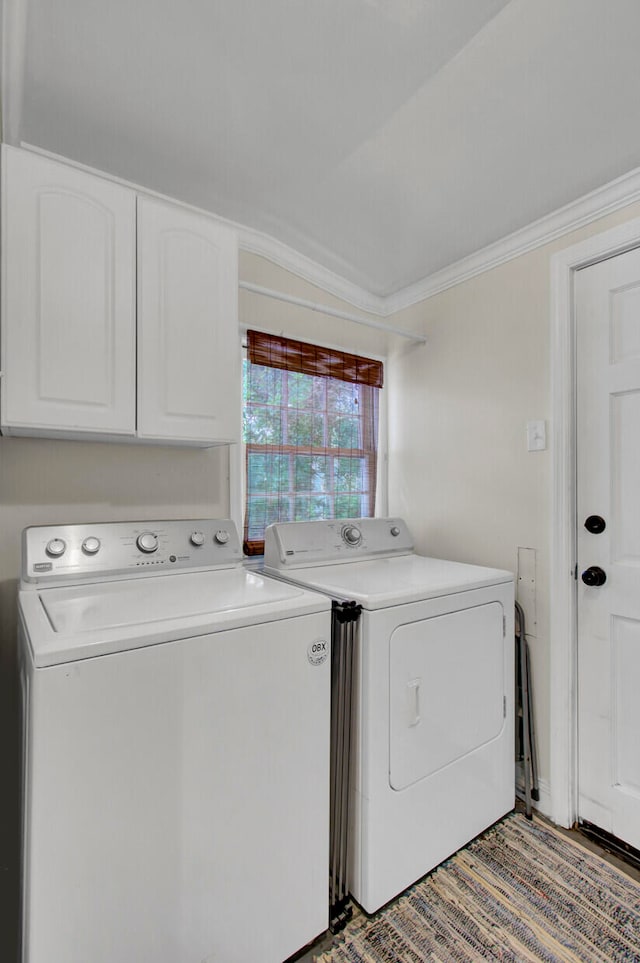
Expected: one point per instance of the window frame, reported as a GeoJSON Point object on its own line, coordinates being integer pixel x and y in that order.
{"type": "Point", "coordinates": [238, 457]}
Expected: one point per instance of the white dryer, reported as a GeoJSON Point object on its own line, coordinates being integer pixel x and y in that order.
{"type": "Point", "coordinates": [176, 754]}
{"type": "Point", "coordinates": [433, 730]}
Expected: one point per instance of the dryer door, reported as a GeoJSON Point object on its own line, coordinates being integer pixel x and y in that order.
{"type": "Point", "coordinates": [447, 690]}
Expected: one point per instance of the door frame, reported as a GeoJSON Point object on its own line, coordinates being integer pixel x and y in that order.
{"type": "Point", "coordinates": [563, 641]}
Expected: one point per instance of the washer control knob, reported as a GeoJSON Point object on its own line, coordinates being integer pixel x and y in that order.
{"type": "Point", "coordinates": [352, 534]}
{"type": "Point", "coordinates": [91, 545]}
{"type": "Point", "coordinates": [56, 547]}
{"type": "Point", "coordinates": [221, 536]}
{"type": "Point", "coordinates": [147, 542]}
{"type": "Point", "coordinates": [395, 531]}
{"type": "Point", "coordinates": [197, 538]}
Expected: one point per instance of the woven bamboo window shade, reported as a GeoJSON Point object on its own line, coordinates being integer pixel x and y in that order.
{"type": "Point", "coordinates": [310, 430]}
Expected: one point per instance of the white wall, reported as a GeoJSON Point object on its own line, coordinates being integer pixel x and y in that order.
{"type": "Point", "coordinates": [459, 470]}
{"type": "Point", "coordinates": [279, 317]}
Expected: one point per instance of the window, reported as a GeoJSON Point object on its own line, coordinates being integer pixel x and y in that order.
{"type": "Point", "coordinates": [310, 431]}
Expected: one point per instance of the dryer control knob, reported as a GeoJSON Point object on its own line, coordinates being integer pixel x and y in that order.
{"type": "Point", "coordinates": [395, 531]}
{"type": "Point", "coordinates": [352, 535]}
{"type": "Point", "coordinates": [197, 538]}
{"type": "Point", "coordinates": [56, 547]}
{"type": "Point", "coordinates": [91, 545]}
{"type": "Point", "coordinates": [147, 542]}
{"type": "Point", "coordinates": [222, 536]}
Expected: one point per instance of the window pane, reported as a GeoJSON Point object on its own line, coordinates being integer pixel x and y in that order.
{"type": "Point", "coordinates": [262, 511]}
{"type": "Point", "coordinates": [264, 384]}
{"type": "Point", "coordinates": [344, 432]}
{"type": "Point", "coordinates": [304, 391]}
{"type": "Point", "coordinates": [349, 474]}
{"type": "Point", "coordinates": [262, 425]}
{"type": "Point", "coordinates": [305, 429]}
{"type": "Point", "coordinates": [312, 473]}
{"type": "Point", "coordinates": [312, 507]}
{"type": "Point", "coordinates": [348, 506]}
{"type": "Point", "coordinates": [342, 397]}
{"type": "Point", "coordinates": [319, 396]}
{"type": "Point", "coordinates": [267, 473]}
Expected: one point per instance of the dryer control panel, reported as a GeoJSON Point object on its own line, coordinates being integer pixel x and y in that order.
{"type": "Point", "coordinates": [290, 545]}
{"type": "Point", "coordinates": [60, 553]}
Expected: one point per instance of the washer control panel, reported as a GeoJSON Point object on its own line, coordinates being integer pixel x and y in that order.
{"type": "Point", "coordinates": [103, 549]}
{"type": "Point", "coordinates": [291, 545]}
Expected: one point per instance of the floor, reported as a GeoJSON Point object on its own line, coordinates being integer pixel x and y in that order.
{"type": "Point", "coordinates": [579, 837]}
{"type": "Point", "coordinates": [310, 954]}
{"type": "Point", "coordinates": [322, 944]}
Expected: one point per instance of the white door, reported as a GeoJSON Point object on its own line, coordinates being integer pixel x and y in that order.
{"type": "Point", "coordinates": [68, 299]}
{"type": "Point", "coordinates": [608, 524]}
{"type": "Point", "coordinates": [188, 351]}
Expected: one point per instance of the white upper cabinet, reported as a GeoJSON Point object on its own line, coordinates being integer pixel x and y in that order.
{"type": "Point", "coordinates": [188, 359]}
{"type": "Point", "coordinates": [116, 324]}
{"type": "Point", "coordinates": [68, 307]}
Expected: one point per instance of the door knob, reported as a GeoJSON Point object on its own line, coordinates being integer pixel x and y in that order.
{"type": "Point", "coordinates": [594, 576]}
{"type": "Point", "coordinates": [595, 524]}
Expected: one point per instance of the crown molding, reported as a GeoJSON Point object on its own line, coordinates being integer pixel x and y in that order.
{"type": "Point", "coordinates": [266, 246]}
{"type": "Point", "coordinates": [607, 199]}
{"type": "Point", "coordinates": [590, 207]}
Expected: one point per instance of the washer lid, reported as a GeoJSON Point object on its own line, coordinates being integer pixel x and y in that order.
{"type": "Point", "coordinates": [382, 582]}
{"type": "Point", "coordinates": [66, 624]}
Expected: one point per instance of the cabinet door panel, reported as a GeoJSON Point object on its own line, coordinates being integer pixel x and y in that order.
{"type": "Point", "coordinates": [68, 305]}
{"type": "Point", "coordinates": [188, 356]}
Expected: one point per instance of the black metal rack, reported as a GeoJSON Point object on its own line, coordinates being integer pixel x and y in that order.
{"type": "Point", "coordinates": [525, 731]}
{"type": "Point", "coordinates": [345, 620]}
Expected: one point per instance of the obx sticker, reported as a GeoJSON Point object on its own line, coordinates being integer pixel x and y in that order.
{"type": "Point", "coordinates": [318, 651]}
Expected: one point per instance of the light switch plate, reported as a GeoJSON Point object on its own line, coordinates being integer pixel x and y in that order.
{"type": "Point", "coordinates": [536, 436]}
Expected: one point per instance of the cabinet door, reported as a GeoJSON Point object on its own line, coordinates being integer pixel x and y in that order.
{"type": "Point", "coordinates": [188, 353]}
{"type": "Point", "coordinates": [68, 318]}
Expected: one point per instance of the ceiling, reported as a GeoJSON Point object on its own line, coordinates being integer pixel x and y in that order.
{"type": "Point", "coordinates": [383, 139]}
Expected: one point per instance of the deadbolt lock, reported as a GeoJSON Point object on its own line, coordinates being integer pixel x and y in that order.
{"type": "Point", "coordinates": [595, 524]}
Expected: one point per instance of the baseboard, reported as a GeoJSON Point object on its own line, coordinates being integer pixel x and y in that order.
{"type": "Point", "coordinates": [542, 803]}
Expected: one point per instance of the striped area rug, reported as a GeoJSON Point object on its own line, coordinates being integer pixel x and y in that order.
{"type": "Point", "coordinates": [521, 892]}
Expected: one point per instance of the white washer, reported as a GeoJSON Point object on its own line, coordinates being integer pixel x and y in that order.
{"type": "Point", "coordinates": [433, 737]}
{"type": "Point", "coordinates": [176, 753]}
